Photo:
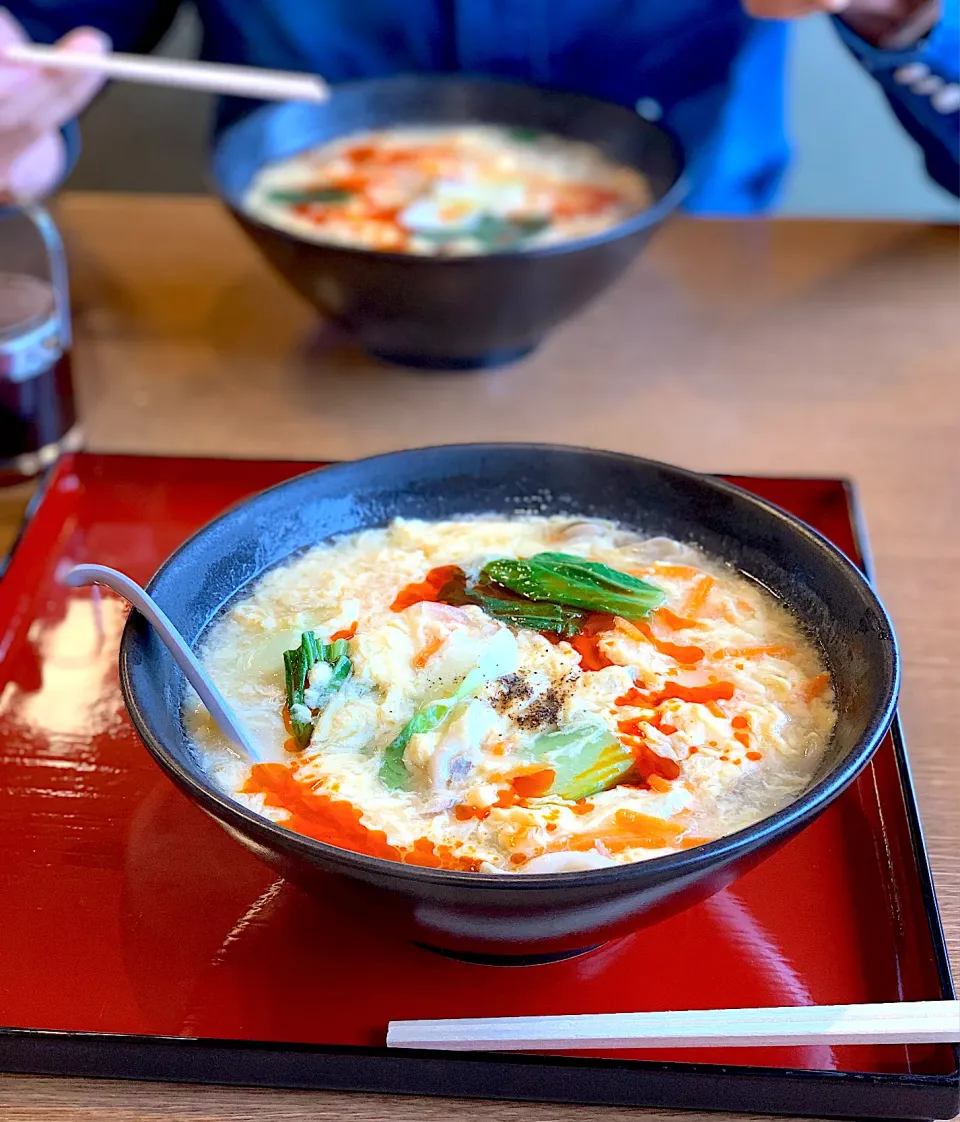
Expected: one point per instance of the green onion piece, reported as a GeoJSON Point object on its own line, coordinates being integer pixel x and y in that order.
{"type": "Point", "coordinates": [563, 579]}
{"type": "Point", "coordinates": [534, 224]}
{"type": "Point", "coordinates": [441, 237]}
{"type": "Point", "coordinates": [293, 680]}
{"type": "Point", "coordinates": [311, 652]}
{"type": "Point", "coordinates": [342, 669]}
{"type": "Point", "coordinates": [503, 233]}
{"type": "Point", "coordinates": [309, 195]}
{"type": "Point", "coordinates": [586, 759]}
{"type": "Point", "coordinates": [297, 665]}
{"type": "Point", "coordinates": [393, 773]}
{"type": "Point", "coordinates": [524, 135]}
{"type": "Point", "coordinates": [490, 230]}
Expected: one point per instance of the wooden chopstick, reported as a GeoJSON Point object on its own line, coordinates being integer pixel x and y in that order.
{"type": "Point", "coordinates": [215, 77]}
{"type": "Point", "coordinates": [907, 1022]}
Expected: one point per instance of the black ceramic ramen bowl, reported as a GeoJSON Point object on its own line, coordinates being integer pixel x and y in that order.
{"type": "Point", "coordinates": [505, 916]}
{"type": "Point", "coordinates": [448, 313]}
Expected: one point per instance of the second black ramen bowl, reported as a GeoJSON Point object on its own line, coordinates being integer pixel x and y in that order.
{"type": "Point", "coordinates": [448, 313]}
{"type": "Point", "coordinates": [506, 917]}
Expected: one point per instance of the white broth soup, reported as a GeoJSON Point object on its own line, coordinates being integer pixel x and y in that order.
{"type": "Point", "coordinates": [523, 694]}
{"type": "Point", "coordinates": [447, 191]}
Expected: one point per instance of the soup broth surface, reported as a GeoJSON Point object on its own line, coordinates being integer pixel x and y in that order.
{"type": "Point", "coordinates": [447, 191]}
{"type": "Point", "coordinates": [456, 734]}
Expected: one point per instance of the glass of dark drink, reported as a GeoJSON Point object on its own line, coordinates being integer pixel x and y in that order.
{"type": "Point", "coordinates": [38, 417]}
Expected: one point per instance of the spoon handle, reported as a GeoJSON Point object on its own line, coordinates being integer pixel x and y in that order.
{"type": "Point", "coordinates": [175, 644]}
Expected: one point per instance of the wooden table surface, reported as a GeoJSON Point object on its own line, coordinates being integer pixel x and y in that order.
{"type": "Point", "coordinates": [763, 347]}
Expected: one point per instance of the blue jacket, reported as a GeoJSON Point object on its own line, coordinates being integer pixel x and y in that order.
{"type": "Point", "coordinates": [714, 75]}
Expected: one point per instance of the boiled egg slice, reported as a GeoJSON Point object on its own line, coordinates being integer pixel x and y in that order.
{"type": "Point", "coordinates": [456, 207]}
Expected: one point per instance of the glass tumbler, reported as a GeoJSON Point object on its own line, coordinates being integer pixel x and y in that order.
{"type": "Point", "coordinates": [38, 418]}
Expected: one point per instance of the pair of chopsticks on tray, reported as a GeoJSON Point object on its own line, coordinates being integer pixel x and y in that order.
{"type": "Point", "coordinates": [906, 1022]}
{"type": "Point", "coordinates": [214, 77]}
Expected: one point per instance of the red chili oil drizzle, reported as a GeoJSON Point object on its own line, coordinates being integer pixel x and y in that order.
{"type": "Point", "coordinates": [337, 822]}
{"type": "Point", "coordinates": [587, 642]}
{"type": "Point", "coordinates": [443, 585]}
{"type": "Point", "coordinates": [646, 761]}
{"type": "Point", "coordinates": [715, 691]}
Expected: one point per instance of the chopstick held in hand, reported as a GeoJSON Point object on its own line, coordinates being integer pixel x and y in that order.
{"type": "Point", "coordinates": [214, 77]}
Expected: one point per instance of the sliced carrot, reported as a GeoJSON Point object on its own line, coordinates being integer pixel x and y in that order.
{"type": "Point", "coordinates": [427, 651]}
{"type": "Point", "coordinates": [742, 737]}
{"type": "Point", "coordinates": [685, 655]}
{"type": "Point", "coordinates": [682, 572]}
{"type": "Point", "coordinates": [815, 687]}
{"type": "Point", "coordinates": [464, 812]}
{"type": "Point", "coordinates": [690, 841]}
{"type": "Point", "coordinates": [739, 722]}
{"type": "Point", "coordinates": [698, 596]}
{"type": "Point", "coordinates": [754, 756]}
{"type": "Point", "coordinates": [628, 628]}
{"type": "Point", "coordinates": [347, 633]}
{"type": "Point", "coordinates": [752, 652]}
{"type": "Point", "coordinates": [658, 783]}
{"type": "Point", "coordinates": [672, 620]}
{"type": "Point", "coordinates": [716, 691]}
{"type": "Point", "coordinates": [535, 784]}
{"type": "Point", "coordinates": [631, 828]}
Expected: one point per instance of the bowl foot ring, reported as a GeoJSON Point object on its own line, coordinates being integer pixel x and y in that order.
{"type": "Point", "coordinates": [487, 361]}
{"type": "Point", "coordinates": [508, 959]}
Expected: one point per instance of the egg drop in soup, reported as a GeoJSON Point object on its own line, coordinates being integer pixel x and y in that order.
{"type": "Point", "coordinates": [514, 695]}
{"type": "Point", "coordinates": [447, 191]}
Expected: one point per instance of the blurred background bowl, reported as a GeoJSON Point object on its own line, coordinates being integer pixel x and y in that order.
{"type": "Point", "coordinates": [449, 313]}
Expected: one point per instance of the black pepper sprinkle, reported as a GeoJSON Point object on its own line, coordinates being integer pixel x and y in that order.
{"type": "Point", "coordinates": [510, 689]}
{"type": "Point", "coordinates": [516, 698]}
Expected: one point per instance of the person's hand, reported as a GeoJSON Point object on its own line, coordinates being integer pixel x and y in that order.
{"type": "Point", "coordinates": [792, 9]}
{"type": "Point", "coordinates": [34, 104]}
{"type": "Point", "coordinates": [894, 24]}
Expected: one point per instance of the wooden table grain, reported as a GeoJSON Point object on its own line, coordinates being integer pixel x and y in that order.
{"type": "Point", "coordinates": [764, 347]}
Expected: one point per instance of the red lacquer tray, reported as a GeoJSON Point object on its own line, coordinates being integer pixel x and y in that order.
{"type": "Point", "coordinates": [138, 940]}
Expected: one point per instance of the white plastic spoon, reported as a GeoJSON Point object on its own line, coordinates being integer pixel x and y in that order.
{"type": "Point", "coordinates": [195, 674]}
